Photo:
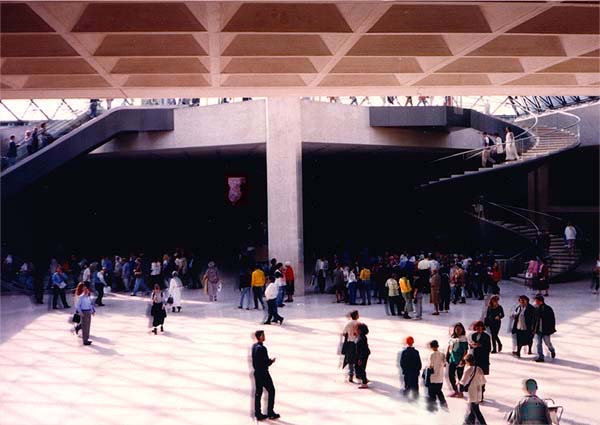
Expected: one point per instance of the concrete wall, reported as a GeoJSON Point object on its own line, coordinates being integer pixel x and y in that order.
{"type": "Point", "coordinates": [589, 126]}
{"type": "Point", "coordinates": [245, 124]}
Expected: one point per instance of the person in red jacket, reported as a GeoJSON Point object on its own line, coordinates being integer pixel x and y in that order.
{"type": "Point", "coordinates": [289, 282]}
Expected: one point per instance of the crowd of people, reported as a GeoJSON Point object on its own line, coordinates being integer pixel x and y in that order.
{"type": "Point", "coordinates": [497, 151]}
{"type": "Point", "coordinates": [33, 140]}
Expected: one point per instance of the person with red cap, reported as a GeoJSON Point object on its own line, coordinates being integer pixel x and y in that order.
{"type": "Point", "coordinates": [410, 364]}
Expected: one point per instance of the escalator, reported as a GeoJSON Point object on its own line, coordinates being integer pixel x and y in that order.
{"type": "Point", "coordinates": [81, 140]}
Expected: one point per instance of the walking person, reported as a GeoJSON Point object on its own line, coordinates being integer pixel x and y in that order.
{"type": "Point", "coordinates": [570, 236]}
{"type": "Point", "coordinates": [281, 284]}
{"type": "Point", "coordinates": [544, 325]}
{"type": "Point", "coordinates": [493, 321]}
{"type": "Point", "coordinates": [77, 316]}
{"type": "Point", "coordinates": [362, 355]}
{"type": "Point", "coordinates": [289, 282]}
{"type": "Point", "coordinates": [473, 381]}
{"type": "Point", "coordinates": [458, 345]}
{"type": "Point", "coordinates": [59, 284]}
{"type": "Point", "coordinates": [155, 274]}
{"type": "Point", "coordinates": [212, 279]}
{"type": "Point", "coordinates": [85, 309]}
{"type": "Point", "coordinates": [523, 316]}
{"type": "Point", "coordinates": [258, 286]}
{"type": "Point", "coordinates": [138, 274]}
{"type": "Point", "coordinates": [271, 294]}
{"type": "Point", "coordinates": [245, 285]}
{"type": "Point", "coordinates": [436, 365]}
{"type": "Point", "coordinates": [262, 378]}
{"type": "Point", "coordinates": [158, 309]}
{"type": "Point", "coordinates": [511, 149]}
{"type": "Point", "coordinates": [410, 365]}
{"type": "Point", "coordinates": [99, 284]}
{"type": "Point", "coordinates": [543, 278]}
{"type": "Point", "coordinates": [481, 345]}
{"type": "Point", "coordinates": [350, 334]}
{"type": "Point", "coordinates": [175, 289]}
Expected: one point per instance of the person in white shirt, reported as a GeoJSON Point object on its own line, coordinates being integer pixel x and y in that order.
{"type": "Point", "coordinates": [437, 362]}
{"type": "Point", "coordinates": [486, 153]}
{"type": "Point", "coordinates": [499, 154]}
{"type": "Point", "coordinates": [570, 236]}
{"type": "Point", "coordinates": [271, 295]}
{"type": "Point", "coordinates": [87, 274]}
{"type": "Point", "coordinates": [155, 270]}
{"type": "Point", "coordinates": [511, 149]}
{"type": "Point", "coordinates": [350, 334]}
{"type": "Point", "coordinates": [473, 379]}
{"type": "Point", "coordinates": [175, 288]}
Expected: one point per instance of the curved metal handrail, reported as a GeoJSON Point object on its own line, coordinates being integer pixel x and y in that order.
{"type": "Point", "coordinates": [527, 219]}
{"type": "Point", "coordinates": [474, 152]}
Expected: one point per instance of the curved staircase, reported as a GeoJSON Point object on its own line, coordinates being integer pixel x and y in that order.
{"type": "Point", "coordinates": [547, 142]}
{"type": "Point", "coordinates": [561, 259]}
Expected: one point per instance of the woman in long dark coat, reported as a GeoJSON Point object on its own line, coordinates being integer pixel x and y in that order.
{"type": "Point", "coordinates": [522, 325]}
{"type": "Point", "coordinates": [158, 309]}
{"type": "Point", "coordinates": [493, 320]}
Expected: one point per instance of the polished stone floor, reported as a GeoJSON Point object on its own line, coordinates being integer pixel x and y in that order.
{"type": "Point", "coordinates": [197, 371]}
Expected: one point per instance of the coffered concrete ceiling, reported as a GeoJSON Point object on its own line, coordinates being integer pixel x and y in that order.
{"type": "Point", "coordinates": [61, 49]}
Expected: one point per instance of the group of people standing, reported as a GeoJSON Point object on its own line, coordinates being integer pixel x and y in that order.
{"type": "Point", "coordinates": [495, 151]}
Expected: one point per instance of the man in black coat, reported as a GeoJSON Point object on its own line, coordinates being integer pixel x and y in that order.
{"type": "Point", "coordinates": [544, 325]}
{"type": "Point", "coordinates": [262, 378]}
{"type": "Point", "coordinates": [410, 363]}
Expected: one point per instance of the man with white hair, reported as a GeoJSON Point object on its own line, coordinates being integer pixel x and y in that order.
{"type": "Point", "coordinates": [530, 409]}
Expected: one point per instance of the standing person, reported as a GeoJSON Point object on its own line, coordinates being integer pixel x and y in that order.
{"type": "Point", "coordinates": [158, 309]}
{"type": "Point", "coordinates": [531, 274]}
{"type": "Point", "coordinates": [258, 286]}
{"type": "Point", "coordinates": [481, 345]}
{"type": "Point", "coordinates": [12, 150]}
{"type": "Point", "coordinates": [126, 272]}
{"type": "Point", "coordinates": [175, 288]}
{"type": "Point", "coordinates": [321, 275]}
{"type": "Point", "coordinates": [366, 288]}
{"type": "Point", "coordinates": [138, 274]}
{"type": "Point", "coordinates": [350, 334]}
{"type": "Point", "coordinates": [99, 284]}
{"type": "Point", "coordinates": [530, 409]}
{"type": "Point", "coordinates": [511, 149]}
{"type": "Point", "coordinates": [434, 297]}
{"type": "Point", "coordinates": [406, 290]}
{"type": "Point", "coordinates": [436, 365]}
{"type": "Point", "coordinates": [570, 236]}
{"type": "Point", "coordinates": [59, 284]}
{"type": "Point", "coordinates": [351, 285]}
{"type": "Point", "coordinates": [543, 327]}
{"type": "Point", "coordinates": [486, 153]}
{"type": "Point", "coordinates": [155, 277]}
{"type": "Point", "coordinates": [280, 281]}
{"type": "Point", "coordinates": [596, 277]}
{"type": "Point", "coordinates": [495, 278]}
{"type": "Point", "coordinates": [212, 279]}
{"type": "Point", "coordinates": [473, 381]}
{"type": "Point", "coordinates": [78, 292]}
{"type": "Point", "coordinates": [543, 278]}
{"type": "Point", "coordinates": [500, 154]}
{"type": "Point", "coordinates": [339, 284]}
{"type": "Point", "coordinates": [393, 294]}
{"type": "Point", "coordinates": [244, 285]}
{"type": "Point", "coordinates": [493, 320]}
{"type": "Point", "coordinates": [362, 355]}
{"type": "Point", "coordinates": [445, 289]}
{"type": "Point", "coordinates": [522, 325]}
{"type": "Point", "coordinates": [262, 378]}
{"type": "Point", "coordinates": [271, 294]}
{"type": "Point", "coordinates": [457, 284]}
{"type": "Point", "coordinates": [85, 309]}
{"type": "Point", "coordinates": [289, 282]}
{"type": "Point", "coordinates": [458, 345]}
{"type": "Point", "coordinates": [410, 364]}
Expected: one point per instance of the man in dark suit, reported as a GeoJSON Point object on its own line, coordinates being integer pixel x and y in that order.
{"type": "Point", "coordinates": [262, 378]}
{"type": "Point", "coordinates": [544, 325]}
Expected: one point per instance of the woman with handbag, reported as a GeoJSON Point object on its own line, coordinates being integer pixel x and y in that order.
{"type": "Point", "coordinates": [458, 345]}
{"type": "Point", "coordinates": [158, 310]}
{"type": "Point", "coordinates": [175, 288]}
{"type": "Point", "coordinates": [473, 382]}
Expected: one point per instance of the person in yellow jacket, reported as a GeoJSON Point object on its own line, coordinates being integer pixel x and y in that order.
{"type": "Point", "coordinates": [258, 286]}
{"type": "Point", "coordinates": [365, 285]}
{"type": "Point", "coordinates": [406, 290]}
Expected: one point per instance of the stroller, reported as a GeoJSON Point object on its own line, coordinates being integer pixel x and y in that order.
{"type": "Point", "coordinates": [555, 411]}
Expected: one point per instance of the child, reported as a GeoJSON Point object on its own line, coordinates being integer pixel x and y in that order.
{"type": "Point", "coordinates": [437, 362]}
{"type": "Point", "coordinates": [410, 363]}
{"type": "Point", "coordinates": [362, 355]}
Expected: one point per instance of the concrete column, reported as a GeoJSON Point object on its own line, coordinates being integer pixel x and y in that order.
{"type": "Point", "coordinates": [284, 184]}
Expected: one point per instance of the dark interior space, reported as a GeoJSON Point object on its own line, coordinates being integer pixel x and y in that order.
{"type": "Point", "coordinates": [101, 205]}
